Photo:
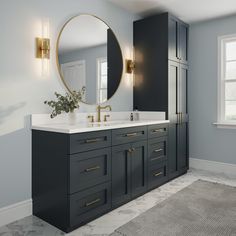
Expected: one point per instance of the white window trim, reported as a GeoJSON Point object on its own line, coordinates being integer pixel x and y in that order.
{"type": "Point", "coordinates": [99, 60]}
{"type": "Point", "coordinates": [221, 122]}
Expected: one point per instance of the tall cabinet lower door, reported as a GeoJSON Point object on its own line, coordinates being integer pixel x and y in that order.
{"type": "Point", "coordinates": [121, 175]}
{"type": "Point", "coordinates": [178, 149]}
{"type": "Point", "coordinates": [173, 151]}
{"type": "Point", "coordinates": [178, 116]}
{"type": "Point", "coordinates": [182, 138]}
{"type": "Point", "coordinates": [182, 155]}
{"type": "Point", "coordinates": [173, 115]}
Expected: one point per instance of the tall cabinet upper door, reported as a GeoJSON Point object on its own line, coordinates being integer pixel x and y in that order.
{"type": "Point", "coordinates": [173, 83]}
{"type": "Point", "coordinates": [183, 42]}
{"type": "Point", "coordinates": [173, 39]}
{"type": "Point", "coordinates": [121, 174]}
{"type": "Point", "coordinates": [182, 93]}
{"type": "Point", "coordinates": [139, 168]}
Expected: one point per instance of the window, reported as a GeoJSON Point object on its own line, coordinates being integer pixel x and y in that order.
{"type": "Point", "coordinates": [227, 80]}
{"type": "Point", "coordinates": [102, 80]}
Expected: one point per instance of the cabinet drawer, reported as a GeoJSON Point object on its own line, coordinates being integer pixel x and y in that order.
{"type": "Point", "coordinates": [89, 168]}
{"type": "Point", "coordinates": [157, 150]}
{"type": "Point", "coordinates": [155, 131]}
{"type": "Point", "coordinates": [157, 175]}
{"type": "Point", "coordinates": [88, 204]}
{"type": "Point", "coordinates": [126, 135]}
{"type": "Point", "coordinates": [89, 141]}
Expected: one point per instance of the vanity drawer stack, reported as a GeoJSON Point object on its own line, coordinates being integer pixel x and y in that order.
{"type": "Point", "coordinates": [89, 176]}
{"type": "Point", "coordinates": [78, 184]}
{"type": "Point", "coordinates": [157, 155]}
{"type": "Point", "coordinates": [78, 177]}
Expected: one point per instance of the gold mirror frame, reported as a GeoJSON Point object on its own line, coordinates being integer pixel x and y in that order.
{"type": "Point", "coordinates": [57, 55]}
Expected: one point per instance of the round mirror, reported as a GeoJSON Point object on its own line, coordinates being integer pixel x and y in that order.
{"type": "Point", "coordinates": [89, 57]}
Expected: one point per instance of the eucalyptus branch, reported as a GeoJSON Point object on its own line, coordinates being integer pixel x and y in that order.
{"type": "Point", "coordinates": [67, 103]}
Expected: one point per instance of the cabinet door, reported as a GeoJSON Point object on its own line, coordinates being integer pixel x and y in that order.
{"type": "Point", "coordinates": [182, 92]}
{"type": "Point", "coordinates": [178, 40]}
{"type": "Point", "coordinates": [183, 42]}
{"type": "Point", "coordinates": [121, 174]}
{"type": "Point", "coordinates": [178, 116]}
{"type": "Point", "coordinates": [173, 83]}
{"type": "Point", "coordinates": [173, 39]}
{"type": "Point", "coordinates": [182, 144]}
{"type": "Point", "coordinates": [173, 112]}
{"type": "Point", "coordinates": [182, 137]}
{"type": "Point", "coordinates": [139, 168]}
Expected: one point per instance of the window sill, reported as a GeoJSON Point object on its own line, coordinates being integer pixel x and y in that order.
{"type": "Point", "coordinates": [225, 125]}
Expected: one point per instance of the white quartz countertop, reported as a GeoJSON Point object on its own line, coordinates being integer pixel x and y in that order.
{"type": "Point", "coordinates": [116, 120]}
{"type": "Point", "coordinates": [88, 127]}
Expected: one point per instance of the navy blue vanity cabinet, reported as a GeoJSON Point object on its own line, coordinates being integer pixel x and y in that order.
{"type": "Point", "coordinates": [79, 177]}
{"type": "Point", "coordinates": [161, 78]}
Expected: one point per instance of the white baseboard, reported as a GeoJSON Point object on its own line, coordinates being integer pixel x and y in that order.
{"type": "Point", "coordinates": [213, 166]}
{"type": "Point", "coordinates": [15, 212]}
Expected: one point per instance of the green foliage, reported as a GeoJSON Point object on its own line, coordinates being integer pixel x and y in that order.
{"type": "Point", "coordinates": [67, 103]}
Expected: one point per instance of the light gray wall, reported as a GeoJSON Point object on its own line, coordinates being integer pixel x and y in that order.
{"type": "Point", "coordinates": [90, 55]}
{"type": "Point", "coordinates": [23, 89]}
{"type": "Point", "coordinates": [207, 141]}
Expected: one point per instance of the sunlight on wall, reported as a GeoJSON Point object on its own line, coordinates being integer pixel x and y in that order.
{"type": "Point", "coordinates": [45, 34]}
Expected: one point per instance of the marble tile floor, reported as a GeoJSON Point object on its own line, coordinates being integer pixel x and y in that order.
{"type": "Point", "coordinates": [103, 226]}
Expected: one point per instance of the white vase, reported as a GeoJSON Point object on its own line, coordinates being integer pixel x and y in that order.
{"type": "Point", "coordinates": [71, 118]}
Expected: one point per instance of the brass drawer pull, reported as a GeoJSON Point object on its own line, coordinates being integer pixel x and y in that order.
{"type": "Point", "coordinates": [158, 130]}
{"type": "Point", "coordinates": [92, 168]}
{"type": "Point", "coordinates": [131, 134]}
{"type": "Point", "coordinates": [157, 174]}
{"type": "Point", "coordinates": [93, 140]}
{"type": "Point", "coordinates": [93, 202]}
{"type": "Point", "coordinates": [158, 150]}
{"type": "Point", "coordinates": [155, 158]}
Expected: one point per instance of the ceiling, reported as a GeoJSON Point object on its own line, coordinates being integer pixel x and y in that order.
{"type": "Point", "coordinates": [82, 32]}
{"type": "Point", "coordinates": [188, 10]}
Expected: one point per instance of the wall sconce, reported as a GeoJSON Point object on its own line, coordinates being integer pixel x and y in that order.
{"type": "Point", "coordinates": [43, 47]}
{"type": "Point", "coordinates": [130, 66]}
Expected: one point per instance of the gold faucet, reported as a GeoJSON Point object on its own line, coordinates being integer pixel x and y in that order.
{"type": "Point", "coordinates": [99, 108]}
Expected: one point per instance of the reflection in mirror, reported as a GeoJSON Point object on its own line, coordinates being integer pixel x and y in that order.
{"type": "Point", "coordinates": [87, 47]}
